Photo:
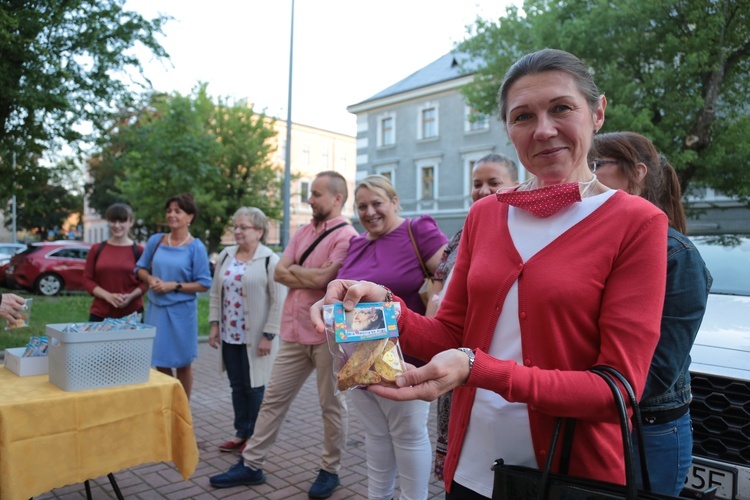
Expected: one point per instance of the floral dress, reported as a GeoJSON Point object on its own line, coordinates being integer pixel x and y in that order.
{"type": "Point", "coordinates": [233, 314]}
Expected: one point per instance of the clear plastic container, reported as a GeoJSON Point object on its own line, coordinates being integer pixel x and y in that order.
{"type": "Point", "coordinates": [23, 321]}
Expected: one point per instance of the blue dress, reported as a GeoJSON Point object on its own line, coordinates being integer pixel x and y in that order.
{"type": "Point", "coordinates": [174, 314]}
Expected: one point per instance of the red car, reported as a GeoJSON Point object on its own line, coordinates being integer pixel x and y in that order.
{"type": "Point", "coordinates": [47, 268]}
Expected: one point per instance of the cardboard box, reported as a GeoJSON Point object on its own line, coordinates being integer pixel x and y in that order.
{"type": "Point", "coordinates": [23, 367]}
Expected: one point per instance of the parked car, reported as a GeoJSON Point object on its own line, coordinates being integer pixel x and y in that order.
{"type": "Point", "coordinates": [720, 372]}
{"type": "Point", "coordinates": [48, 268]}
{"type": "Point", "coordinates": [8, 250]}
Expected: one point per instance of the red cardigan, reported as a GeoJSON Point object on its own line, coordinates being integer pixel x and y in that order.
{"type": "Point", "coordinates": [593, 296]}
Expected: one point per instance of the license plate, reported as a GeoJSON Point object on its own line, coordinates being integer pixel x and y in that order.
{"type": "Point", "coordinates": [702, 476]}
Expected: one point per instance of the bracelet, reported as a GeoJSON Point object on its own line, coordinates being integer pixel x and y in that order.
{"type": "Point", "coordinates": [470, 353]}
{"type": "Point", "coordinates": [388, 294]}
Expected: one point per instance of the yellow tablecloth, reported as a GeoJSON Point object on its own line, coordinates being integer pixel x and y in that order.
{"type": "Point", "coordinates": [51, 438]}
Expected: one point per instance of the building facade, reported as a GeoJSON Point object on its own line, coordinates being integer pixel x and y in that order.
{"type": "Point", "coordinates": [421, 134]}
{"type": "Point", "coordinates": [313, 150]}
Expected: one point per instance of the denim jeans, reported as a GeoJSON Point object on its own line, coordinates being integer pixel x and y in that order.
{"type": "Point", "coordinates": [669, 454]}
{"type": "Point", "coordinates": [246, 400]}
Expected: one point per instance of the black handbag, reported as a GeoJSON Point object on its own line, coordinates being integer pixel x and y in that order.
{"type": "Point", "coordinates": [515, 482]}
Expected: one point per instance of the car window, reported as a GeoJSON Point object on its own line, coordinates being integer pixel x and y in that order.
{"type": "Point", "coordinates": [30, 250]}
{"type": "Point", "coordinates": [728, 259]}
{"type": "Point", "coordinates": [81, 253]}
{"type": "Point", "coordinates": [70, 253]}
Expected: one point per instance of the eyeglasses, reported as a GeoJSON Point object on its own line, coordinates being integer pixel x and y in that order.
{"type": "Point", "coordinates": [244, 228]}
{"type": "Point", "coordinates": [598, 163]}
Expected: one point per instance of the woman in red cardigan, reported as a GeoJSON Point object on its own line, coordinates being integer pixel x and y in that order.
{"type": "Point", "coordinates": [552, 278]}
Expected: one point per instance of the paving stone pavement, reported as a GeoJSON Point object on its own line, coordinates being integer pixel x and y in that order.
{"type": "Point", "coordinates": [291, 467]}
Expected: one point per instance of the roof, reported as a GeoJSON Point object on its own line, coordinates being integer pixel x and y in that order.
{"type": "Point", "coordinates": [448, 67]}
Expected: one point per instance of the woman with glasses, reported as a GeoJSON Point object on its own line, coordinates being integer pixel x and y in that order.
{"type": "Point", "coordinates": [108, 274]}
{"type": "Point", "coordinates": [630, 162]}
{"type": "Point", "coordinates": [245, 315]}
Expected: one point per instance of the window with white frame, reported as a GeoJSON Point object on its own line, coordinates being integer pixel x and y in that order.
{"type": "Point", "coordinates": [427, 182]}
{"type": "Point", "coordinates": [386, 129]}
{"type": "Point", "coordinates": [306, 154]}
{"type": "Point", "coordinates": [389, 172]}
{"type": "Point", "coordinates": [427, 126]}
{"type": "Point", "coordinates": [475, 121]}
{"type": "Point", "coordinates": [324, 156]}
{"type": "Point", "coordinates": [304, 191]}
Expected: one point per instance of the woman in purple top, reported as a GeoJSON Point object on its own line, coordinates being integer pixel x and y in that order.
{"type": "Point", "coordinates": [396, 432]}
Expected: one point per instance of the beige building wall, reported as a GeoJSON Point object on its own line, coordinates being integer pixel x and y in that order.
{"type": "Point", "coordinates": [313, 150]}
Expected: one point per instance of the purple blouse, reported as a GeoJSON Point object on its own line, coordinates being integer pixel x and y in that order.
{"type": "Point", "coordinates": [391, 260]}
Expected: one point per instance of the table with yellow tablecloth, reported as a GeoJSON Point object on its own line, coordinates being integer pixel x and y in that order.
{"type": "Point", "coordinates": [51, 438]}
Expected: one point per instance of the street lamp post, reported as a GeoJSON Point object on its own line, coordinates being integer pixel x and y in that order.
{"type": "Point", "coordinates": [288, 152]}
{"type": "Point", "coordinates": [15, 232]}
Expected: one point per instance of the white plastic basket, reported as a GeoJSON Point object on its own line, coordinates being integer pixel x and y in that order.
{"type": "Point", "coordinates": [91, 360]}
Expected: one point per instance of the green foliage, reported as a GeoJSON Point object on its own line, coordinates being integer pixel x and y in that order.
{"type": "Point", "coordinates": [58, 63]}
{"type": "Point", "coordinates": [46, 203]}
{"type": "Point", "coordinates": [677, 71]}
{"type": "Point", "coordinates": [218, 151]}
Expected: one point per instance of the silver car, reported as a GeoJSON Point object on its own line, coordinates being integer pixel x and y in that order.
{"type": "Point", "coordinates": [720, 372]}
{"type": "Point", "coordinates": [8, 250]}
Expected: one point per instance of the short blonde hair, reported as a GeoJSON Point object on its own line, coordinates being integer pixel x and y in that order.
{"type": "Point", "coordinates": [379, 182]}
{"type": "Point", "coordinates": [257, 216]}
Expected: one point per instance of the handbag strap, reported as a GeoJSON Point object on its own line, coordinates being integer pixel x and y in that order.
{"type": "Point", "coordinates": [636, 421]}
{"type": "Point", "coordinates": [318, 240]}
{"type": "Point", "coordinates": [609, 375]}
{"type": "Point", "coordinates": [427, 273]}
{"type": "Point", "coordinates": [631, 487]}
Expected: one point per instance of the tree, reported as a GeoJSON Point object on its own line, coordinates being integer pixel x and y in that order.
{"type": "Point", "coordinates": [57, 63]}
{"type": "Point", "coordinates": [218, 151]}
{"type": "Point", "coordinates": [677, 71]}
{"type": "Point", "coordinates": [48, 203]}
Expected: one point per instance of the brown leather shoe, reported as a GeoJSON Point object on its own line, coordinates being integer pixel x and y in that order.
{"type": "Point", "coordinates": [232, 446]}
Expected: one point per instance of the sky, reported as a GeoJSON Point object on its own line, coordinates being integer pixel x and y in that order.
{"type": "Point", "coordinates": [345, 51]}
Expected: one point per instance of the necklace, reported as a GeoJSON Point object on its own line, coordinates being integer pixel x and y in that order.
{"type": "Point", "coordinates": [169, 239]}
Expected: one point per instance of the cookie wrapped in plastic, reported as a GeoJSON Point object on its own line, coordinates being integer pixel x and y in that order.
{"type": "Point", "coordinates": [364, 343]}
{"type": "Point", "coordinates": [23, 319]}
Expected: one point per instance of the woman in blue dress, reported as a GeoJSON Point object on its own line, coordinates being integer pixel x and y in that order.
{"type": "Point", "coordinates": [175, 268]}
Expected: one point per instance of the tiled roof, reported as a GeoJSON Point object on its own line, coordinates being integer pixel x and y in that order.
{"type": "Point", "coordinates": [448, 67]}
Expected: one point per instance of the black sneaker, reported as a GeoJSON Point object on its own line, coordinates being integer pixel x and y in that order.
{"type": "Point", "coordinates": [324, 485]}
{"type": "Point", "coordinates": [239, 475]}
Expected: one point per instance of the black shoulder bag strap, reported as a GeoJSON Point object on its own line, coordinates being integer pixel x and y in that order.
{"type": "Point", "coordinates": [152, 255]}
{"type": "Point", "coordinates": [320, 238]}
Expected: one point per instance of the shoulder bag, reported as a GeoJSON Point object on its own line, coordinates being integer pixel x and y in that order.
{"type": "Point", "coordinates": [424, 290]}
{"type": "Point", "coordinates": [514, 482]}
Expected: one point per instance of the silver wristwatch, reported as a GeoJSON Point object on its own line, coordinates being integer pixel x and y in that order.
{"type": "Point", "coordinates": [470, 354]}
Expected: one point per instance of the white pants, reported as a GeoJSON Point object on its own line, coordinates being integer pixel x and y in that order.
{"type": "Point", "coordinates": [396, 440]}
